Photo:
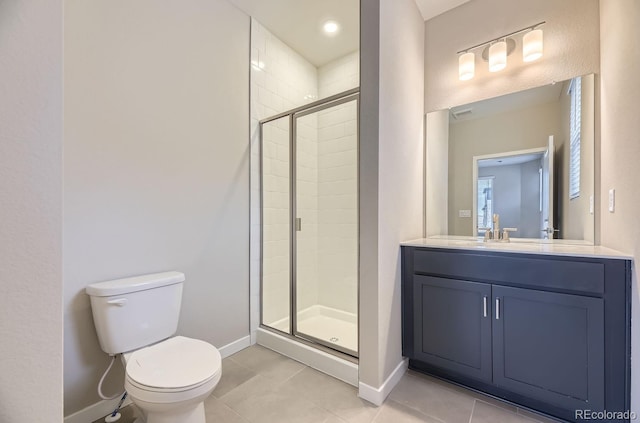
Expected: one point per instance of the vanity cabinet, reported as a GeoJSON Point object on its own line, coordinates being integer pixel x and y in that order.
{"type": "Point", "coordinates": [549, 346]}
{"type": "Point", "coordinates": [550, 333]}
{"type": "Point", "coordinates": [453, 325]}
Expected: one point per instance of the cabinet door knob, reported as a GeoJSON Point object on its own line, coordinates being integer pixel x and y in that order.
{"type": "Point", "coordinates": [484, 306]}
{"type": "Point", "coordinates": [497, 308]}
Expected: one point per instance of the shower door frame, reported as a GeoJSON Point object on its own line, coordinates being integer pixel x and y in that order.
{"type": "Point", "coordinates": [293, 115]}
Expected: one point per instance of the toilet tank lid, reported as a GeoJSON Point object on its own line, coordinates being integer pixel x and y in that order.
{"type": "Point", "coordinates": [134, 284]}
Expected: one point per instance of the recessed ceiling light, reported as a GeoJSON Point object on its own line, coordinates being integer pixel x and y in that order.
{"type": "Point", "coordinates": [331, 27]}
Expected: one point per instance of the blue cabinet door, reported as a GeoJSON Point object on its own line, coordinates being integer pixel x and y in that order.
{"type": "Point", "coordinates": [549, 346]}
{"type": "Point", "coordinates": [452, 325]}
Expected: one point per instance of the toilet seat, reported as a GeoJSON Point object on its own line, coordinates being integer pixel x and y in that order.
{"type": "Point", "coordinates": [176, 365]}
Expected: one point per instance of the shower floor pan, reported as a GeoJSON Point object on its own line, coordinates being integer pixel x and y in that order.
{"type": "Point", "coordinates": [330, 325]}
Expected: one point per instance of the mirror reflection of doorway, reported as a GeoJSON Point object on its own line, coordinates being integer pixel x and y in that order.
{"type": "Point", "coordinates": [518, 186]}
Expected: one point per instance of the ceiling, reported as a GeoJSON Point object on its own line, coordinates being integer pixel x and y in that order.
{"type": "Point", "coordinates": [510, 102]}
{"type": "Point", "coordinates": [433, 8]}
{"type": "Point", "coordinates": [298, 23]}
{"type": "Point", "coordinates": [510, 160]}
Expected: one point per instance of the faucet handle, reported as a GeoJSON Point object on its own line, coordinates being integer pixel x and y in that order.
{"type": "Point", "coordinates": [505, 233]}
{"type": "Point", "coordinates": [488, 233]}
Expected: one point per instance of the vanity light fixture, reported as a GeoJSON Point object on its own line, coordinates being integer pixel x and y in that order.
{"type": "Point", "coordinates": [497, 50]}
{"type": "Point", "coordinates": [467, 66]}
{"type": "Point", "coordinates": [532, 45]}
{"type": "Point", "coordinates": [498, 56]}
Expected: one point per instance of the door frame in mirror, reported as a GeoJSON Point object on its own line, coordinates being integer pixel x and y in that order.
{"type": "Point", "coordinates": [476, 159]}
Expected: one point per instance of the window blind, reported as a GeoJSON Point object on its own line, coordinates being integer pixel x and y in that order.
{"type": "Point", "coordinates": [575, 91]}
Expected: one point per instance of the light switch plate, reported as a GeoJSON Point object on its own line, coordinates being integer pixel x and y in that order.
{"type": "Point", "coordinates": [612, 200]}
{"type": "Point", "coordinates": [591, 206]}
{"type": "Point", "coordinates": [464, 213]}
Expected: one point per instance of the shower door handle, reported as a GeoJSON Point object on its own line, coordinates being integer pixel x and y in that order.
{"type": "Point", "coordinates": [298, 224]}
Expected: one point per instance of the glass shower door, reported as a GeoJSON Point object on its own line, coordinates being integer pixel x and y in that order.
{"type": "Point", "coordinates": [276, 226]}
{"type": "Point", "coordinates": [325, 241]}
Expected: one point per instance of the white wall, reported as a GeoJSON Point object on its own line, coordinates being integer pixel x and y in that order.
{"type": "Point", "coordinates": [401, 165]}
{"type": "Point", "coordinates": [156, 166]}
{"type": "Point", "coordinates": [397, 140]}
{"type": "Point", "coordinates": [31, 211]}
{"type": "Point", "coordinates": [437, 173]}
{"type": "Point", "coordinates": [620, 147]}
{"type": "Point", "coordinates": [571, 47]}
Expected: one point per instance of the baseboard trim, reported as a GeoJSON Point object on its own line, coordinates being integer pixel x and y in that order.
{"type": "Point", "coordinates": [377, 396]}
{"type": "Point", "coordinates": [102, 408]}
{"type": "Point", "coordinates": [235, 346]}
{"type": "Point", "coordinates": [95, 411]}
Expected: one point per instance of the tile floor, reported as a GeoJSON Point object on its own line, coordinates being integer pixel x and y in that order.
{"type": "Point", "coordinates": [261, 386]}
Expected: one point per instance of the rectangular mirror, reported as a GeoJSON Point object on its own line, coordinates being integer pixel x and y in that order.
{"type": "Point", "coordinates": [523, 161]}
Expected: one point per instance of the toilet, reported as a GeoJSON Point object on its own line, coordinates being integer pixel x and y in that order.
{"type": "Point", "coordinates": [168, 377]}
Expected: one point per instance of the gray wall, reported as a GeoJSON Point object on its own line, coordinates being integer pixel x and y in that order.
{"type": "Point", "coordinates": [509, 131]}
{"type": "Point", "coordinates": [506, 194]}
{"type": "Point", "coordinates": [620, 148]}
{"type": "Point", "coordinates": [570, 47]}
{"type": "Point", "coordinates": [391, 179]}
{"type": "Point", "coordinates": [31, 211]}
{"type": "Point", "coordinates": [516, 196]}
{"type": "Point", "coordinates": [156, 166]}
{"type": "Point", "coordinates": [575, 219]}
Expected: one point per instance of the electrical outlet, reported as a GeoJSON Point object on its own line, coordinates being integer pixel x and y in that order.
{"type": "Point", "coordinates": [464, 213]}
{"type": "Point", "coordinates": [591, 205]}
{"type": "Point", "coordinates": [612, 200]}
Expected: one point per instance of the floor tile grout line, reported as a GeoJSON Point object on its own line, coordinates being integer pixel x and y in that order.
{"type": "Point", "coordinates": [243, 418]}
{"type": "Point", "coordinates": [236, 387]}
{"type": "Point", "coordinates": [378, 411]}
{"type": "Point", "coordinates": [304, 366]}
{"type": "Point", "coordinates": [422, 413]}
{"type": "Point", "coordinates": [473, 409]}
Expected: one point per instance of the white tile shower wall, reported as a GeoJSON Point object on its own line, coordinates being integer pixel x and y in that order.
{"type": "Point", "coordinates": [338, 207]}
{"type": "Point", "coordinates": [307, 210]}
{"type": "Point", "coordinates": [276, 219]}
{"type": "Point", "coordinates": [281, 79]}
{"type": "Point", "coordinates": [338, 188]}
{"type": "Point", "coordinates": [340, 75]}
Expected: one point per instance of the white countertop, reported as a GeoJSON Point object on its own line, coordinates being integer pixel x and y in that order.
{"type": "Point", "coordinates": [551, 247]}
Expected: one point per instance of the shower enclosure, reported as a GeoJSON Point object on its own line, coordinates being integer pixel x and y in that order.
{"type": "Point", "coordinates": [309, 222]}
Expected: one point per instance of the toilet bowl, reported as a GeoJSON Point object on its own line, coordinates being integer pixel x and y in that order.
{"type": "Point", "coordinates": [167, 377]}
{"type": "Point", "coordinates": [170, 380]}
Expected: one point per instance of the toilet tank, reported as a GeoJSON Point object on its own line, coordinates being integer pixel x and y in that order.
{"type": "Point", "coordinates": [134, 312]}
